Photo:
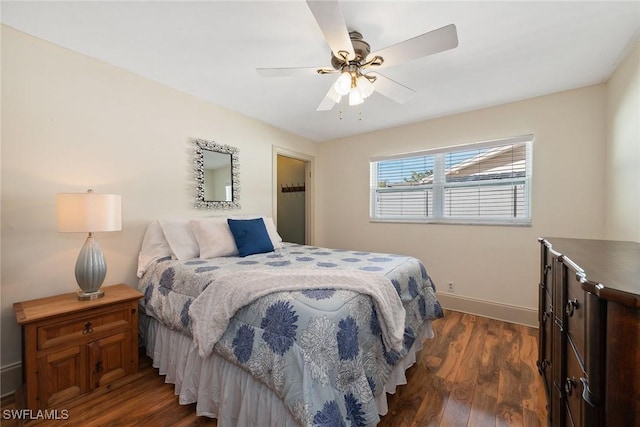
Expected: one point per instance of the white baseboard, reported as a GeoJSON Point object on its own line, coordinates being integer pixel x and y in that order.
{"type": "Point", "coordinates": [10, 378]}
{"type": "Point", "coordinates": [494, 310]}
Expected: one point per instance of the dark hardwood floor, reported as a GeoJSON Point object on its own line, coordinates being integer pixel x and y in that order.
{"type": "Point", "coordinates": [475, 372]}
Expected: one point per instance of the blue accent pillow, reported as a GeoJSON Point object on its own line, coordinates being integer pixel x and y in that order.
{"type": "Point", "coordinates": [250, 235]}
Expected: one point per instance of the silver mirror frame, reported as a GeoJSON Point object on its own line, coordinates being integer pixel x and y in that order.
{"type": "Point", "coordinates": [200, 145]}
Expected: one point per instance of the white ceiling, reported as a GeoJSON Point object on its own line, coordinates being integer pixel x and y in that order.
{"type": "Point", "coordinates": [507, 51]}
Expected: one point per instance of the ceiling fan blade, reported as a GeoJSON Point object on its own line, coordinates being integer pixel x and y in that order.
{"type": "Point", "coordinates": [331, 22]}
{"type": "Point", "coordinates": [435, 41]}
{"type": "Point", "coordinates": [329, 100]}
{"type": "Point", "coordinates": [326, 104]}
{"type": "Point", "coordinates": [392, 89]}
{"type": "Point", "coordinates": [288, 72]}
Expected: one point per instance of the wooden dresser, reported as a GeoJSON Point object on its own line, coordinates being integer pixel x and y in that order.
{"type": "Point", "coordinates": [589, 347]}
{"type": "Point", "coordinates": [72, 347]}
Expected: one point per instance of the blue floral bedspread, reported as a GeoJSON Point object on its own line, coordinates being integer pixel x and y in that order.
{"type": "Point", "coordinates": [320, 350]}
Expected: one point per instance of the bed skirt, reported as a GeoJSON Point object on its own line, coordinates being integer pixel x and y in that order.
{"type": "Point", "coordinates": [224, 391]}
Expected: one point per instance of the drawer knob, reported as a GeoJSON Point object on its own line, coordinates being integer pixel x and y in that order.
{"type": "Point", "coordinates": [87, 328]}
{"type": "Point", "coordinates": [545, 316]}
{"type": "Point", "coordinates": [571, 306]}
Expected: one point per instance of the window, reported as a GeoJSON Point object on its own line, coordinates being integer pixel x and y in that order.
{"type": "Point", "coordinates": [481, 183]}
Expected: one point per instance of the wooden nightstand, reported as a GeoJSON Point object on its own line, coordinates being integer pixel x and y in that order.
{"type": "Point", "coordinates": [73, 347]}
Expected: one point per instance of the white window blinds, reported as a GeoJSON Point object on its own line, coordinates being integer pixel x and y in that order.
{"type": "Point", "coordinates": [481, 183]}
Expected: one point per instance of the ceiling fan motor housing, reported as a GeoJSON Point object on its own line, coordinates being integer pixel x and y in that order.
{"type": "Point", "coordinates": [360, 47]}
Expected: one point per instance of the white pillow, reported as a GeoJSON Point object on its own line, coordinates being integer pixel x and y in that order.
{"type": "Point", "coordinates": [276, 240]}
{"type": "Point", "coordinates": [214, 237]}
{"type": "Point", "coordinates": [181, 240]}
{"type": "Point", "coordinates": [154, 247]}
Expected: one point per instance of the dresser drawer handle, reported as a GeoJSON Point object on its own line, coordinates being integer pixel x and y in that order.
{"type": "Point", "coordinates": [586, 392]}
{"type": "Point", "coordinates": [569, 385]}
{"type": "Point", "coordinates": [542, 365]}
{"type": "Point", "coordinates": [87, 328]}
{"type": "Point", "coordinates": [571, 306]}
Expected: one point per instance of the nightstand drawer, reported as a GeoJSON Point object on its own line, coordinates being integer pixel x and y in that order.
{"type": "Point", "coordinates": [84, 326]}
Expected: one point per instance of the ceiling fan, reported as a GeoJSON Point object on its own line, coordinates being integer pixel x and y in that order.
{"type": "Point", "coordinates": [351, 57]}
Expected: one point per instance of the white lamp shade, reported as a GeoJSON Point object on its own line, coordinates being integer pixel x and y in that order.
{"type": "Point", "coordinates": [333, 95]}
{"type": "Point", "coordinates": [365, 87]}
{"type": "Point", "coordinates": [89, 212]}
{"type": "Point", "coordinates": [354, 97]}
{"type": "Point", "coordinates": [343, 84]}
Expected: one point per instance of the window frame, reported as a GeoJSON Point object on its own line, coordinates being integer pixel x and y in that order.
{"type": "Point", "coordinates": [439, 185]}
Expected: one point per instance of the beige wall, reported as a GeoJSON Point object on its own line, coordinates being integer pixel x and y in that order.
{"type": "Point", "coordinates": [622, 214]}
{"type": "Point", "coordinates": [70, 122]}
{"type": "Point", "coordinates": [494, 263]}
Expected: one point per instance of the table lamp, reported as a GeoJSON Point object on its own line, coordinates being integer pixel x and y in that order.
{"type": "Point", "coordinates": [89, 212]}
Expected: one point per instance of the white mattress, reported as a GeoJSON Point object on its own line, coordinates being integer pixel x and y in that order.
{"type": "Point", "coordinates": [227, 392]}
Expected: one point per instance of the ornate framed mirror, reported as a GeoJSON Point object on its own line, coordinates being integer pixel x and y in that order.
{"type": "Point", "coordinates": [217, 174]}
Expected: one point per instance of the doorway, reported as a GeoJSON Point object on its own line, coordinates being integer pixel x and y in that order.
{"type": "Point", "coordinates": [292, 196]}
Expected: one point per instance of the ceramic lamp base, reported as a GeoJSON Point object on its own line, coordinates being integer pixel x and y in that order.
{"type": "Point", "coordinates": [90, 270]}
{"type": "Point", "coordinates": [86, 296]}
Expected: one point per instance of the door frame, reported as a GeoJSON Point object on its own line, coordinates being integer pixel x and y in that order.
{"type": "Point", "coordinates": [309, 220]}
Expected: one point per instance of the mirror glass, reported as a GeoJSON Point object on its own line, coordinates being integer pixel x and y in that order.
{"type": "Point", "coordinates": [217, 175]}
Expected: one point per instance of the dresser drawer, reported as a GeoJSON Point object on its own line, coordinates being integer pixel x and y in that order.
{"type": "Point", "coordinates": [546, 337]}
{"type": "Point", "coordinates": [575, 309]}
{"type": "Point", "coordinates": [78, 328]}
{"type": "Point", "coordinates": [546, 269]}
{"type": "Point", "coordinates": [573, 390]}
{"type": "Point", "coordinates": [558, 296]}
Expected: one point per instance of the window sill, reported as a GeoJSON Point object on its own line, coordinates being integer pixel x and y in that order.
{"type": "Point", "coordinates": [457, 221]}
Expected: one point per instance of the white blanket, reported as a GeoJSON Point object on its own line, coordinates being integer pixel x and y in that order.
{"type": "Point", "coordinates": [211, 311]}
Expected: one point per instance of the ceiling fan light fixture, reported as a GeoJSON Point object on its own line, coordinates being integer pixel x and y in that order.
{"type": "Point", "coordinates": [334, 95]}
{"type": "Point", "coordinates": [365, 87]}
{"type": "Point", "coordinates": [355, 98]}
{"type": "Point", "coordinates": [343, 84]}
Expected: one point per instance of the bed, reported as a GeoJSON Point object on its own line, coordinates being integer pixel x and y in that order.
{"type": "Point", "coordinates": [257, 331]}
